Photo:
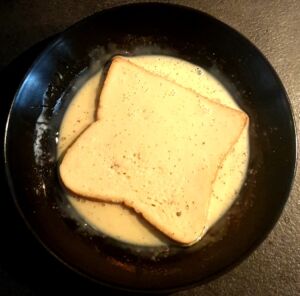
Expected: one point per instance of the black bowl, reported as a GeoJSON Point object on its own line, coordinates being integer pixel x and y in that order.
{"type": "Point", "coordinates": [38, 108]}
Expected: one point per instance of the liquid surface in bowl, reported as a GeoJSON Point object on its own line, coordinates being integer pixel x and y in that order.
{"type": "Point", "coordinates": [119, 222]}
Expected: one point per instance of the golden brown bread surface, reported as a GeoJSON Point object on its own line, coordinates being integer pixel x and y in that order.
{"type": "Point", "coordinates": [156, 147]}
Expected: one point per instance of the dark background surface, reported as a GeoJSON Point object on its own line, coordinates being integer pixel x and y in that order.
{"type": "Point", "coordinates": [274, 268]}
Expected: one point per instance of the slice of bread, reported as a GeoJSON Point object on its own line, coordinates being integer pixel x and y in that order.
{"type": "Point", "coordinates": [155, 148]}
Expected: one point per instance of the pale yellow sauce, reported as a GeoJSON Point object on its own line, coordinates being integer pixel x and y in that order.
{"type": "Point", "coordinates": [120, 222]}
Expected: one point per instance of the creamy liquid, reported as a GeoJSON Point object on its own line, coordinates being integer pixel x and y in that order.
{"type": "Point", "coordinates": [119, 222]}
